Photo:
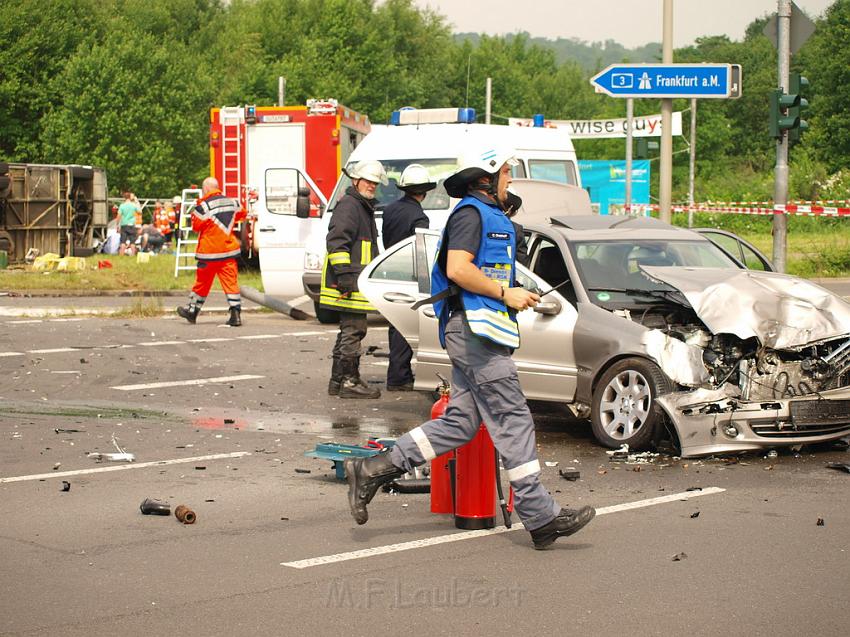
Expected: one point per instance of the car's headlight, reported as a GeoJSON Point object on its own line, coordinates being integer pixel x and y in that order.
{"type": "Point", "coordinates": [312, 261]}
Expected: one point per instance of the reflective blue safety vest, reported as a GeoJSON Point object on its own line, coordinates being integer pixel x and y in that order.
{"type": "Point", "coordinates": [487, 317]}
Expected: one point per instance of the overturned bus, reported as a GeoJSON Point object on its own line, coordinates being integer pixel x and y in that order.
{"type": "Point", "coordinates": [52, 208]}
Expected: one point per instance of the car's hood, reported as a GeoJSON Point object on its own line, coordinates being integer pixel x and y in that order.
{"type": "Point", "coordinates": [782, 311]}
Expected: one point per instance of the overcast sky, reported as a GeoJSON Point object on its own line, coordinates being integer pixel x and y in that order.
{"type": "Point", "coordinates": [629, 22]}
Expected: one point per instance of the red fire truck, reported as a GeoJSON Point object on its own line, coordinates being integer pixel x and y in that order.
{"type": "Point", "coordinates": [282, 163]}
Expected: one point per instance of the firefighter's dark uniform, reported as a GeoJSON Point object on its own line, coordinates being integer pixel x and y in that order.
{"type": "Point", "coordinates": [351, 245]}
{"type": "Point", "coordinates": [401, 218]}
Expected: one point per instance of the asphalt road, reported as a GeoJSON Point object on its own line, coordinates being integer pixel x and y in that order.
{"type": "Point", "coordinates": [86, 562]}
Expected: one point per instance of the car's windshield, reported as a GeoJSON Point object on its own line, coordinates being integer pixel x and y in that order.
{"type": "Point", "coordinates": [436, 199]}
{"type": "Point", "coordinates": [611, 270]}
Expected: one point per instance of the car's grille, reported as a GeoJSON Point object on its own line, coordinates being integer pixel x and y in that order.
{"type": "Point", "coordinates": [809, 418]}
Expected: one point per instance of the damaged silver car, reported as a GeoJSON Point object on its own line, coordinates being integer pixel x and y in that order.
{"type": "Point", "coordinates": [653, 329]}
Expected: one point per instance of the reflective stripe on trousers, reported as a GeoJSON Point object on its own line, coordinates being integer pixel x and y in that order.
{"type": "Point", "coordinates": [485, 387]}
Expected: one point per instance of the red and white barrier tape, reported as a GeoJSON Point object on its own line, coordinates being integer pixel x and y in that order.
{"type": "Point", "coordinates": [789, 209]}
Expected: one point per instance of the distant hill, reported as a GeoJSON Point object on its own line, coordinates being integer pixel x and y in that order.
{"type": "Point", "coordinates": [590, 56]}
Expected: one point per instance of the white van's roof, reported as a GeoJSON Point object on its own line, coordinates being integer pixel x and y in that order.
{"type": "Point", "coordinates": [440, 141]}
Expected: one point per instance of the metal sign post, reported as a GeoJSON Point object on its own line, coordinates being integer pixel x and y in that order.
{"type": "Point", "coordinates": [780, 186]}
{"type": "Point", "coordinates": [630, 113]}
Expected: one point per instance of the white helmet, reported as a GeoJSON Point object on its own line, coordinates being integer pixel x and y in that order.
{"type": "Point", "coordinates": [416, 179]}
{"type": "Point", "coordinates": [475, 165]}
{"type": "Point", "coordinates": [370, 170]}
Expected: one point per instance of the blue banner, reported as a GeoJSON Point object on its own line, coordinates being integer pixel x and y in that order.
{"type": "Point", "coordinates": [605, 180]}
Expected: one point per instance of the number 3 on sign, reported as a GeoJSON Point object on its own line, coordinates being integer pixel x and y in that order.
{"type": "Point", "coordinates": [622, 80]}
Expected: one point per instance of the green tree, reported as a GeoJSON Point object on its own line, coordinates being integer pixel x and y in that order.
{"type": "Point", "coordinates": [118, 111]}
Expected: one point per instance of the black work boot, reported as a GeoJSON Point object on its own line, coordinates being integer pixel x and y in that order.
{"type": "Point", "coordinates": [568, 522]}
{"type": "Point", "coordinates": [354, 387]}
{"type": "Point", "coordinates": [365, 476]}
{"type": "Point", "coordinates": [189, 312]}
{"type": "Point", "coordinates": [235, 319]}
{"type": "Point", "coordinates": [336, 378]}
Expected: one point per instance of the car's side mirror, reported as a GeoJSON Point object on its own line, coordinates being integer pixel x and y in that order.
{"type": "Point", "coordinates": [548, 308]}
{"type": "Point", "coordinates": [302, 204]}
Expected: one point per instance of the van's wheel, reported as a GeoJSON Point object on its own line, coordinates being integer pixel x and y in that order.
{"type": "Point", "coordinates": [324, 315]}
{"type": "Point", "coordinates": [624, 408]}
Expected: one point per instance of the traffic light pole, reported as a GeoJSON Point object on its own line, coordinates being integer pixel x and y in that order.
{"type": "Point", "coordinates": [665, 185]}
{"type": "Point", "coordinates": [780, 187]}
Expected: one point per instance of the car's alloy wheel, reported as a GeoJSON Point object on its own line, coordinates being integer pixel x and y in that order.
{"type": "Point", "coordinates": [624, 409]}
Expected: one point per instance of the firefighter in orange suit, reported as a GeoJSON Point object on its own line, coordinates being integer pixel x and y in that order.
{"type": "Point", "coordinates": [214, 218]}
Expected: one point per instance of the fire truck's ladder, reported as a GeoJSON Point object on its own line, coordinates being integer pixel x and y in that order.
{"type": "Point", "coordinates": [186, 238]}
{"type": "Point", "coordinates": [232, 118]}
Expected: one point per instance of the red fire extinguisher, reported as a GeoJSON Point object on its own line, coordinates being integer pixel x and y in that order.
{"type": "Point", "coordinates": [464, 481]}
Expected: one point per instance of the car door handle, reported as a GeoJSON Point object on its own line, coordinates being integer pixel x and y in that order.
{"type": "Point", "coordinates": [398, 297]}
{"type": "Point", "coordinates": [429, 312]}
{"type": "Point", "coordinates": [268, 229]}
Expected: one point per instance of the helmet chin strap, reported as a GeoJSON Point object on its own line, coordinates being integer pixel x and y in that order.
{"type": "Point", "coordinates": [493, 187]}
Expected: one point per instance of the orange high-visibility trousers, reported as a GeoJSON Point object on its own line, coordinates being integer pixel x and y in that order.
{"type": "Point", "coordinates": [227, 273]}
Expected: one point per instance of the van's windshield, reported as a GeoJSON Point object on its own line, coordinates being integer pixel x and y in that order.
{"type": "Point", "coordinates": [436, 199]}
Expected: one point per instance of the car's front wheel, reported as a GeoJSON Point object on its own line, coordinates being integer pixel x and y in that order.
{"type": "Point", "coordinates": [624, 408]}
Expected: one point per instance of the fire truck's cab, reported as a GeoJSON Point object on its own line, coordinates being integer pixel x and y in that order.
{"type": "Point", "coordinates": [281, 163]}
{"type": "Point", "coordinates": [436, 138]}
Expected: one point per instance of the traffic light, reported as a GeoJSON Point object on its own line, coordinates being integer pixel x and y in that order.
{"type": "Point", "coordinates": [786, 108]}
{"type": "Point", "coordinates": [798, 85]}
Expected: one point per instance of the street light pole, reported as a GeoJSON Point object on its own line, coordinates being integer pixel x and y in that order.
{"type": "Point", "coordinates": [665, 189]}
{"type": "Point", "coordinates": [692, 163]}
{"type": "Point", "coordinates": [780, 185]}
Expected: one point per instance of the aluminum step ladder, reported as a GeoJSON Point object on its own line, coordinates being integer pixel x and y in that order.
{"type": "Point", "coordinates": [186, 239]}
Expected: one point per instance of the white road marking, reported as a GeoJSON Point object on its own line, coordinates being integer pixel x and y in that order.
{"type": "Point", "coordinates": [5, 354]}
{"type": "Point", "coordinates": [306, 333]}
{"type": "Point", "coordinates": [73, 371]}
{"type": "Point", "coordinates": [466, 535]}
{"type": "Point", "coordinates": [25, 322]}
{"type": "Point", "coordinates": [254, 337]}
{"type": "Point", "coordinates": [123, 467]}
{"type": "Point", "coordinates": [210, 340]}
{"type": "Point", "coordinates": [155, 343]}
{"type": "Point", "coordinates": [179, 383]}
{"type": "Point", "coordinates": [65, 320]}
{"type": "Point", "coordinates": [53, 351]}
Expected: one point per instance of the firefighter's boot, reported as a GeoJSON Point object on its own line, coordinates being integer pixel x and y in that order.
{"type": "Point", "coordinates": [189, 312]}
{"type": "Point", "coordinates": [336, 377]}
{"type": "Point", "coordinates": [352, 386]}
{"type": "Point", "coordinates": [364, 476]}
{"type": "Point", "coordinates": [566, 523]}
{"type": "Point", "coordinates": [235, 319]}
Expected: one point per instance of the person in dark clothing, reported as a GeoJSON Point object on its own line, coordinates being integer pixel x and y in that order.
{"type": "Point", "coordinates": [351, 244]}
{"type": "Point", "coordinates": [401, 218]}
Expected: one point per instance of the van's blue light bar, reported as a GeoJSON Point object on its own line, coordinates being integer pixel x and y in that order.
{"type": "Point", "coordinates": [407, 115]}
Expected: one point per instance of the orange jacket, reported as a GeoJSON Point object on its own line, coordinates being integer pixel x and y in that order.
{"type": "Point", "coordinates": [162, 222]}
{"type": "Point", "coordinates": [214, 218]}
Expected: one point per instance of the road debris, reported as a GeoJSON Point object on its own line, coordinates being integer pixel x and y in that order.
{"type": "Point", "coordinates": [57, 465]}
{"type": "Point", "coordinates": [68, 431]}
{"type": "Point", "coordinates": [150, 506]}
{"type": "Point", "coordinates": [839, 466]}
{"type": "Point", "coordinates": [184, 514]}
{"type": "Point", "coordinates": [551, 464]}
{"type": "Point", "coordinates": [695, 514]}
{"type": "Point", "coordinates": [820, 522]}
{"type": "Point", "coordinates": [570, 473]}
{"type": "Point", "coordinates": [66, 486]}
{"type": "Point", "coordinates": [303, 470]}
{"type": "Point", "coordinates": [119, 456]}
{"type": "Point", "coordinates": [678, 557]}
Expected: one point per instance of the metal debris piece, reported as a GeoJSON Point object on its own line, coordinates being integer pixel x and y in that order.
{"type": "Point", "coordinates": [695, 514]}
{"type": "Point", "coordinates": [112, 457]}
{"type": "Point", "coordinates": [820, 522]}
{"type": "Point", "coordinates": [694, 489]}
{"type": "Point", "coordinates": [678, 557]}
{"type": "Point", "coordinates": [68, 431]}
{"type": "Point", "coordinates": [229, 421]}
{"type": "Point", "coordinates": [839, 466]}
{"type": "Point", "coordinates": [551, 464]}
{"type": "Point", "coordinates": [149, 506]}
{"type": "Point", "coordinates": [66, 486]}
{"type": "Point", "coordinates": [57, 465]}
{"type": "Point", "coordinates": [303, 470]}
{"type": "Point", "coordinates": [570, 473]}
{"type": "Point", "coordinates": [200, 468]}
{"type": "Point", "coordinates": [184, 514]}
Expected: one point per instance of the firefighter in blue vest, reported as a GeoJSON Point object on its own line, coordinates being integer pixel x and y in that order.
{"type": "Point", "coordinates": [352, 241]}
{"type": "Point", "coordinates": [476, 300]}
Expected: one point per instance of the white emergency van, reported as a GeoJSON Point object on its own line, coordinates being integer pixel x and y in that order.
{"type": "Point", "coordinates": [435, 138]}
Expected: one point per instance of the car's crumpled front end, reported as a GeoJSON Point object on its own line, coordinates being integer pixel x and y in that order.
{"type": "Point", "coordinates": [766, 363]}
